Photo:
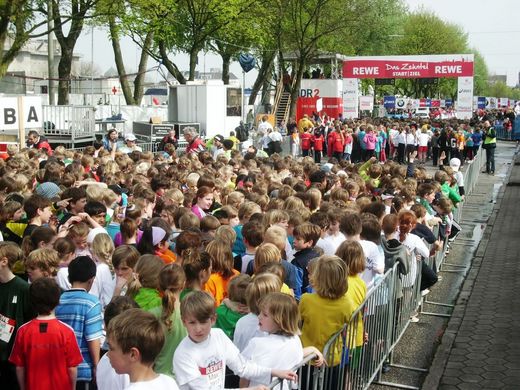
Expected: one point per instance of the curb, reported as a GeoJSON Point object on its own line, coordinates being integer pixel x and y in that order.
{"type": "Point", "coordinates": [432, 380]}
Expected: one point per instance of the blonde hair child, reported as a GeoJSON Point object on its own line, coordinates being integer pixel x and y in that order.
{"type": "Point", "coordinates": [144, 289]}
{"type": "Point", "coordinates": [281, 348]}
{"type": "Point", "coordinates": [220, 252]}
{"type": "Point", "coordinates": [326, 311]}
{"type": "Point", "coordinates": [102, 249]}
{"type": "Point", "coordinates": [171, 283]}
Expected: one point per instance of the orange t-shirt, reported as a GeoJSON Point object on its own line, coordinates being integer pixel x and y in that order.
{"type": "Point", "coordinates": [167, 256]}
{"type": "Point", "coordinates": [217, 286]}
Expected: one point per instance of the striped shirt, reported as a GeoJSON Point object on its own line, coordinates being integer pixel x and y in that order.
{"type": "Point", "coordinates": [82, 311]}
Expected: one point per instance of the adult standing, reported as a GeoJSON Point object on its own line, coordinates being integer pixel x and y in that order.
{"type": "Point", "coordinates": [275, 145]}
{"type": "Point", "coordinates": [264, 127]}
{"type": "Point", "coordinates": [36, 141]}
{"type": "Point", "coordinates": [490, 143]}
{"type": "Point", "coordinates": [195, 143]}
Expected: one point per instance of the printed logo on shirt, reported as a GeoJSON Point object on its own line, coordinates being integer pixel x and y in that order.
{"type": "Point", "coordinates": [214, 370]}
{"type": "Point", "coordinates": [6, 328]}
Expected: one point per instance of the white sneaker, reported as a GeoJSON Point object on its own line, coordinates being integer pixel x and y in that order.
{"type": "Point", "coordinates": [414, 319]}
{"type": "Point", "coordinates": [425, 292]}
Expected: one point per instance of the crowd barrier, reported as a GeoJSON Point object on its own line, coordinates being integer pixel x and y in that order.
{"type": "Point", "coordinates": [356, 353]}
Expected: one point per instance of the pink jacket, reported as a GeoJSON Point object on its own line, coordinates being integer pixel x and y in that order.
{"type": "Point", "coordinates": [370, 141]}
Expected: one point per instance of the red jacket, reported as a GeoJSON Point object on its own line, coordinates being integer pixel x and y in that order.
{"type": "Point", "coordinates": [43, 144]}
{"type": "Point", "coordinates": [318, 142]}
{"type": "Point", "coordinates": [196, 146]}
{"type": "Point", "coordinates": [306, 140]}
{"type": "Point", "coordinates": [335, 143]}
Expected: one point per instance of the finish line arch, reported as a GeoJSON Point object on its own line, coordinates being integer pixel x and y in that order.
{"type": "Point", "coordinates": [407, 67]}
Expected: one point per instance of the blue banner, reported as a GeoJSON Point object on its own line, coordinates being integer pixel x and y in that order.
{"type": "Point", "coordinates": [448, 102]}
{"type": "Point", "coordinates": [389, 101]}
{"type": "Point", "coordinates": [481, 102]}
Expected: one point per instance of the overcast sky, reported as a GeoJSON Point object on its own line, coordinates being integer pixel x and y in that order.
{"type": "Point", "coordinates": [492, 28]}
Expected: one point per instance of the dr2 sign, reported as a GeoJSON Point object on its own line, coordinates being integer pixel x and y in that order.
{"type": "Point", "coordinates": [10, 113]}
{"type": "Point", "coordinates": [308, 92]}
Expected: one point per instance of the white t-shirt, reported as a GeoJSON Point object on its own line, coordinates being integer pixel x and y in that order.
{"type": "Point", "coordinates": [104, 285]}
{"type": "Point", "coordinates": [423, 139]}
{"type": "Point", "coordinates": [203, 365]}
{"type": "Point", "coordinates": [275, 351]}
{"type": "Point", "coordinates": [245, 329]}
{"type": "Point", "coordinates": [263, 127]}
{"type": "Point", "coordinates": [330, 243]}
{"type": "Point", "coordinates": [107, 378]}
{"type": "Point", "coordinates": [416, 245]}
{"type": "Point", "coordinates": [162, 382]}
{"type": "Point", "coordinates": [375, 262]}
{"type": "Point", "coordinates": [62, 278]}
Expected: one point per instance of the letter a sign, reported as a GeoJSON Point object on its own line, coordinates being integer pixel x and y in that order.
{"type": "Point", "coordinates": [30, 110]}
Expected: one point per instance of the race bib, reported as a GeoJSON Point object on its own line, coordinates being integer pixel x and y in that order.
{"type": "Point", "coordinates": [6, 328]}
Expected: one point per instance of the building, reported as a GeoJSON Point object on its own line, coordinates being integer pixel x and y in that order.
{"type": "Point", "coordinates": [29, 69]}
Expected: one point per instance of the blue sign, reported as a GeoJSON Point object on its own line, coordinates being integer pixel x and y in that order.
{"type": "Point", "coordinates": [389, 101]}
{"type": "Point", "coordinates": [448, 102]}
{"type": "Point", "coordinates": [481, 102]}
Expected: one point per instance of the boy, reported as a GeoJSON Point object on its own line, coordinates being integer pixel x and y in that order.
{"type": "Point", "coordinates": [305, 238]}
{"type": "Point", "coordinates": [135, 338]}
{"type": "Point", "coordinates": [38, 211]}
{"type": "Point", "coordinates": [229, 312]}
{"type": "Point", "coordinates": [14, 309]}
{"type": "Point", "coordinates": [82, 311]}
{"type": "Point", "coordinates": [200, 359]}
{"type": "Point", "coordinates": [46, 353]}
{"type": "Point", "coordinates": [334, 237]}
{"type": "Point", "coordinates": [252, 236]}
{"type": "Point", "coordinates": [77, 198]}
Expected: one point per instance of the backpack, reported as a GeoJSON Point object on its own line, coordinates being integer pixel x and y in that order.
{"type": "Point", "coordinates": [242, 133]}
{"type": "Point", "coordinates": [399, 254]}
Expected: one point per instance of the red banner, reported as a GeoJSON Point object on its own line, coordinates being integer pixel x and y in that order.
{"type": "Point", "coordinates": [382, 69]}
{"type": "Point", "coordinates": [332, 106]}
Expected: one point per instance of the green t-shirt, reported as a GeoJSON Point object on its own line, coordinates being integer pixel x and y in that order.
{"type": "Point", "coordinates": [227, 320]}
{"type": "Point", "coordinates": [148, 298]}
{"type": "Point", "coordinates": [164, 361]}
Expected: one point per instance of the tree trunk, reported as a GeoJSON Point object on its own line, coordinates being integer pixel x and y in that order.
{"type": "Point", "coordinates": [194, 52]}
{"type": "Point", "coordinates": [265, 70]}
{"type": "Point", "coordinates": [226, 59]}
{"type": "Point", "coordinates": [296, 87]}
{"type": "Point", "coordinates": [120, 65]}
{"type": "Point", "coordinates": [64, 70]}
{"type": "Point", "coordinates": [172, 68]}
{"type": "Point", "coordinates": [141, 71]}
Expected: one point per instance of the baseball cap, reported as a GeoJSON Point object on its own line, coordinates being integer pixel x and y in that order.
{"type": "Point", "coordinates": [455, 164]}
{"type": "Point", "coordinates": [48, 190]}
{"type": "Point", "coordinates": [218, 138]}
{"type": "Point", "coordinates": [130, 137]}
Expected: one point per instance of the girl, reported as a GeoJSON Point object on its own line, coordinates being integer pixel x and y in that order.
{"type": "Point", "coordinates": [171, 283]}
{"type": "Point", "coordinates": [128, 230]}
{"type": "Point", "coordinates": [349, 141]}
{"type": "Point", "coordinates": [65, 248]}
{"type": "Point", "coordinates": [124, 259]}
{"type": "Point", "coordinates": [155, 241]}
{"type": "Point", "coordinates": [222, 270]}
{"type": "Point", "coordinates": [78, 234]}
{"type": "Point", "coordinates": [144, 288]}
{"type": "Point", "coordinates": [325, 311]}
{"type": "Point", "coordinates": [102, 248]}
{"type": "Point", "coordinates": [42, 263]}
{"type": "Point", "coordinates": [202, 202]}
{"type": "Point", "coordinates": [197, 269]}
{"type": "Point", "coordinates": [247, 327]}
{"type": "Point", "coordinates": [41, 237]}
{"type": "Point", "coordinates": [11, 211]}
{"type": "Point", "coordinates": [281, 348]}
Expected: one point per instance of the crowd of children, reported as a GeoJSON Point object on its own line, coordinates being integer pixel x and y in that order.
{"type": "Point", "coordinates": [203, 271]}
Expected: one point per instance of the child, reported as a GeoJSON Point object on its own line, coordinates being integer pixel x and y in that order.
{"type": "Point", "coordinates": [42, 263]}
{"type": "Point", "coordinates": [102, 248]}
{"type": "Point", "coordinates": [144, 289]}
{"type": "Point", "coordinates": [334, 237]}
{"type": "Point", "coordinates": [135, 338]}
{"type": "Point", "coordinates": [10, 214]}
{"type": "Point", "coordinates": [200, 360]}
{"type": "Point", "coordinates": [38, 211]}
{"type": "Point", "coordinates": [247, 326]}
{"type": "Point", "coordinates": [124, 259]}
{"type": "Point", "coordinates": [325, 312]}
{"type": "Point", "coordinates": [306, 141]}
{"type": "Point", "coordinates": [14, 308]}
{"type": "Point", "coordinates": [106, 377]}
{"type": "Point", "coordinates": [65, 249]}
{"type": "Point", "coordinates": [252, 234]}
{"type": "Point", "coordinates": [281, 348]}
{"type": "Point", "coordinates": [305, 238]}
{"type": "Point", "coordinates": [171, 283]}
{"type": "Point", "coordinates": [222, 270]}
{"type": "Point", "coordinates": [78, 234]}
{"type": "Point", "coordinates": [82, 311]}
{"type": "Point", "coordinates": [318, 141]}
{"type": "Point", "coordinates": [197, 268]}
{"type": "Point", "coordinates": [45, 352]}
{"type": "Point", "coordinates": [227, 317]}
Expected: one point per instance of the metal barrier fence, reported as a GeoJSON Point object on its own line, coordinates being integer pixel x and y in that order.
{"type": "Point", "coordinates": [69, 124]}
{"type": "Point", "coordinates": [355, 360]}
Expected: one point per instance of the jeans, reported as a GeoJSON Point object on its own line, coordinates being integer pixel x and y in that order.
{"type": "Point", "coordinates": [490, 160]}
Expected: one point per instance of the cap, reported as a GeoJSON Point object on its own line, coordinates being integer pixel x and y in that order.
{"type": "Point", "coordinates": [81, 269]}
{"type": "Point", "coordinates": [218, 138]}
{"type": "Point", "coordinates": [326, 167]}
{"type": "Point", "coordinates": [48, 190]}
{"type": "Point", "coordinates": [455, 164]}
{"type": "Point", "coordinates": [158, 235]}
{"type": "Point", "coordinates": [130, 137]}
{"type": "Point", "coordinates": [93, 233]}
